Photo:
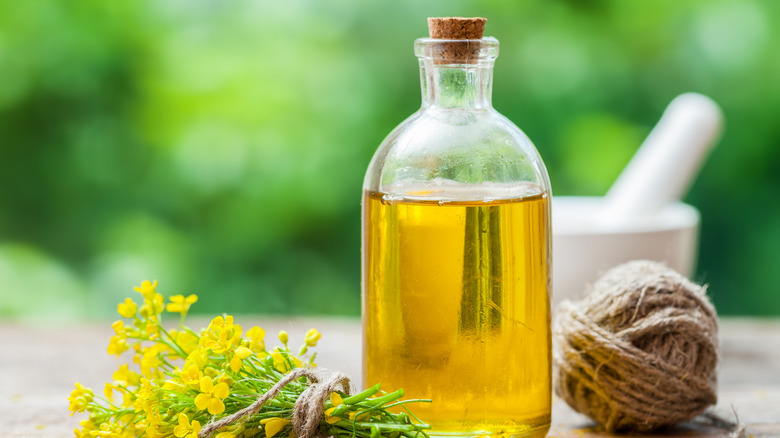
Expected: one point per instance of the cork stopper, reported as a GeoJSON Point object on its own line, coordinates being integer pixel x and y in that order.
{"type": "Point", "coordinates": [457, 28]}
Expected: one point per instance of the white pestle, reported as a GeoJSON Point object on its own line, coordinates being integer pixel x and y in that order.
{"type": "Point", "coordinates": [665, 164]}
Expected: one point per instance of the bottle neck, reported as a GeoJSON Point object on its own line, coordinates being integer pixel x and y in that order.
{"type": "Point", "coordinates": [456, 86]}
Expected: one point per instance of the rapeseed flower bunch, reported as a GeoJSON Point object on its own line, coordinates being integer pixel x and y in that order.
{"type": "Point", "coordinates": [179, 380]}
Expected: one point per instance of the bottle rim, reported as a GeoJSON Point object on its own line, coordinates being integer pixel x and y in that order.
{"type": "Point", "coordinates": [457, 51]}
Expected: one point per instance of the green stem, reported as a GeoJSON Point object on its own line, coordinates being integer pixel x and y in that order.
{"type": "Point", "coordinates": [404, 402]}
{"type": "Point", "coordinates": [370, 404]}
{"type": "Point", "coordinates": [172, 343]}
{"type": "Point", "coordinates": [351, 400]}
{"type": "Point", "coordinates": [389, 427]}
{"type": "Point", "coordinates": [379, 401]}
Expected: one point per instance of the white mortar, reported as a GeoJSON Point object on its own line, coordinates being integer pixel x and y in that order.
{"type": "Point", "coordinates": [583, 248]}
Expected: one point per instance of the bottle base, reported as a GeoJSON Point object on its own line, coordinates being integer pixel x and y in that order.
{"type": "Point", "coordinates": [529, 432]}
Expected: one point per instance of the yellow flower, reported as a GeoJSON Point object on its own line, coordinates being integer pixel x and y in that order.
{"type": "Point", "coordinates": [108, 390]}
{"type": "Point", "coordinates": [362, 417]}
{"type": "Point", "coordinates": [87, 426]}
{"type": "Point", "coordinates": [283, 337]}
{"type": "Point", "coordinates": [219, 323]}
{"type": "Point", "coordinates": [153, 306]}
{"type": "Point", "coordinates": [331, 419]}
{"type": "Point", "coordinates": [235, 364]}
{"type": "Point", "coordinates": [243, 352]}
{"type": "Point", "coordinates": [240, 354]}
{"type": "Point", "coordinates": [157, 303]}
{"type": "Point", "coordinates": [186, 340]}
{"type": "Point", "coordinates": [225, 378]}
{"type": "Point", "coordinates": [273, 425]}
{"type": "Point", "coordinates": [126, 377]}
{"type": "Point", "coordinates": [221, 335]}
{"type": "Point", "coordinates": [199, 358]}
{"type": "Point", "coordinates": [127, 309]}
{"type": "Point", "coordinates": [211, 396]}
{"type": "Point", "coordinates": [185, 428]}
{"type": "Point", "coordinates": [312, 336]}
{"type": "Point", "coordinates": [236, 334]}
{"type": "Point", "coordinates": [256, 335]}
{"type": "Point", "coordinates": [335, 400]}
{"type": "Point", "coordinates": [280, 362]}
{"type": "Point", "coordinates": [150, 361]}
{"type": "Point", "coordinates": [147, 289]}
{"type": "Point", "coordinates": [119, 328]}
{"type": "Point", "coordinates": [225, 435]}
{"type": "Point", "coordinates": [117, 345]}
{"type": "Point", "coordinates": [174, 385]}
{"type": "Point", "coordinates": [79, 398]}
{"type": "Point", "coordinates": [219, 343]}
{"type": "Point", "coordinates": [107, 430]}
{"type": "Point", "coordinates": [144, 399]}
{"type": "Point", "coordinates": [154, 418]}
{"type": "Point", "coordinates": [127, 398]}
{"type": "Point", "coordinates": [154, 431]}
{"type": "Point", "coordinates": [191, 375]}
{"type": "Point", "coordinates": [179, 304]}
{"type": "Point", "coordinates": [126, 419]}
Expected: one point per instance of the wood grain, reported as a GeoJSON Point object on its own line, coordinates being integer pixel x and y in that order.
{"type": "Point", "coordinates": [39, 365]}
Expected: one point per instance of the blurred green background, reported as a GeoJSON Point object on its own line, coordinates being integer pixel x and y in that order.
{"type": "Point", "coordinates": [219, 146]}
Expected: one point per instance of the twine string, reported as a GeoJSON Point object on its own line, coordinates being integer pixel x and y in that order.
{"type": "Point", "coordinates": [308, 408]}
{"type": "Point", "coordinates": [640, 351]}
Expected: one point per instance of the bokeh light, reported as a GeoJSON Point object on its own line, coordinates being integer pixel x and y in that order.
{"type": "Point", "coordinates": [219, 146]}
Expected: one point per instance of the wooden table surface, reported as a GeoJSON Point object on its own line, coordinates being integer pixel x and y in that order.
{"type": "Point", "coordinates": [38, 366]}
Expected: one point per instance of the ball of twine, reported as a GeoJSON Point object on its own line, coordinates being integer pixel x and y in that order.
{"type": "Point", "coordinates": [640, 351]}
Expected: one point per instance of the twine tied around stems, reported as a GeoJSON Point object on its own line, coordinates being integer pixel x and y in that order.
{"type": "Point", "coordinates": [308, 408]}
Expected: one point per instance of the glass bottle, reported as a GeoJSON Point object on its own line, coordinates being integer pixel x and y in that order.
{"type": "Point", "coordinates": [456, 256]}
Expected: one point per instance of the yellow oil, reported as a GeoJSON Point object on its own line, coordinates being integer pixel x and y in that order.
{"type": "Point", "coordinates": [456, 310]}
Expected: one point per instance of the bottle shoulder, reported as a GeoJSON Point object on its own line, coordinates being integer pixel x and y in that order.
{"type": "Point", "coordinates": [458, 145]}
